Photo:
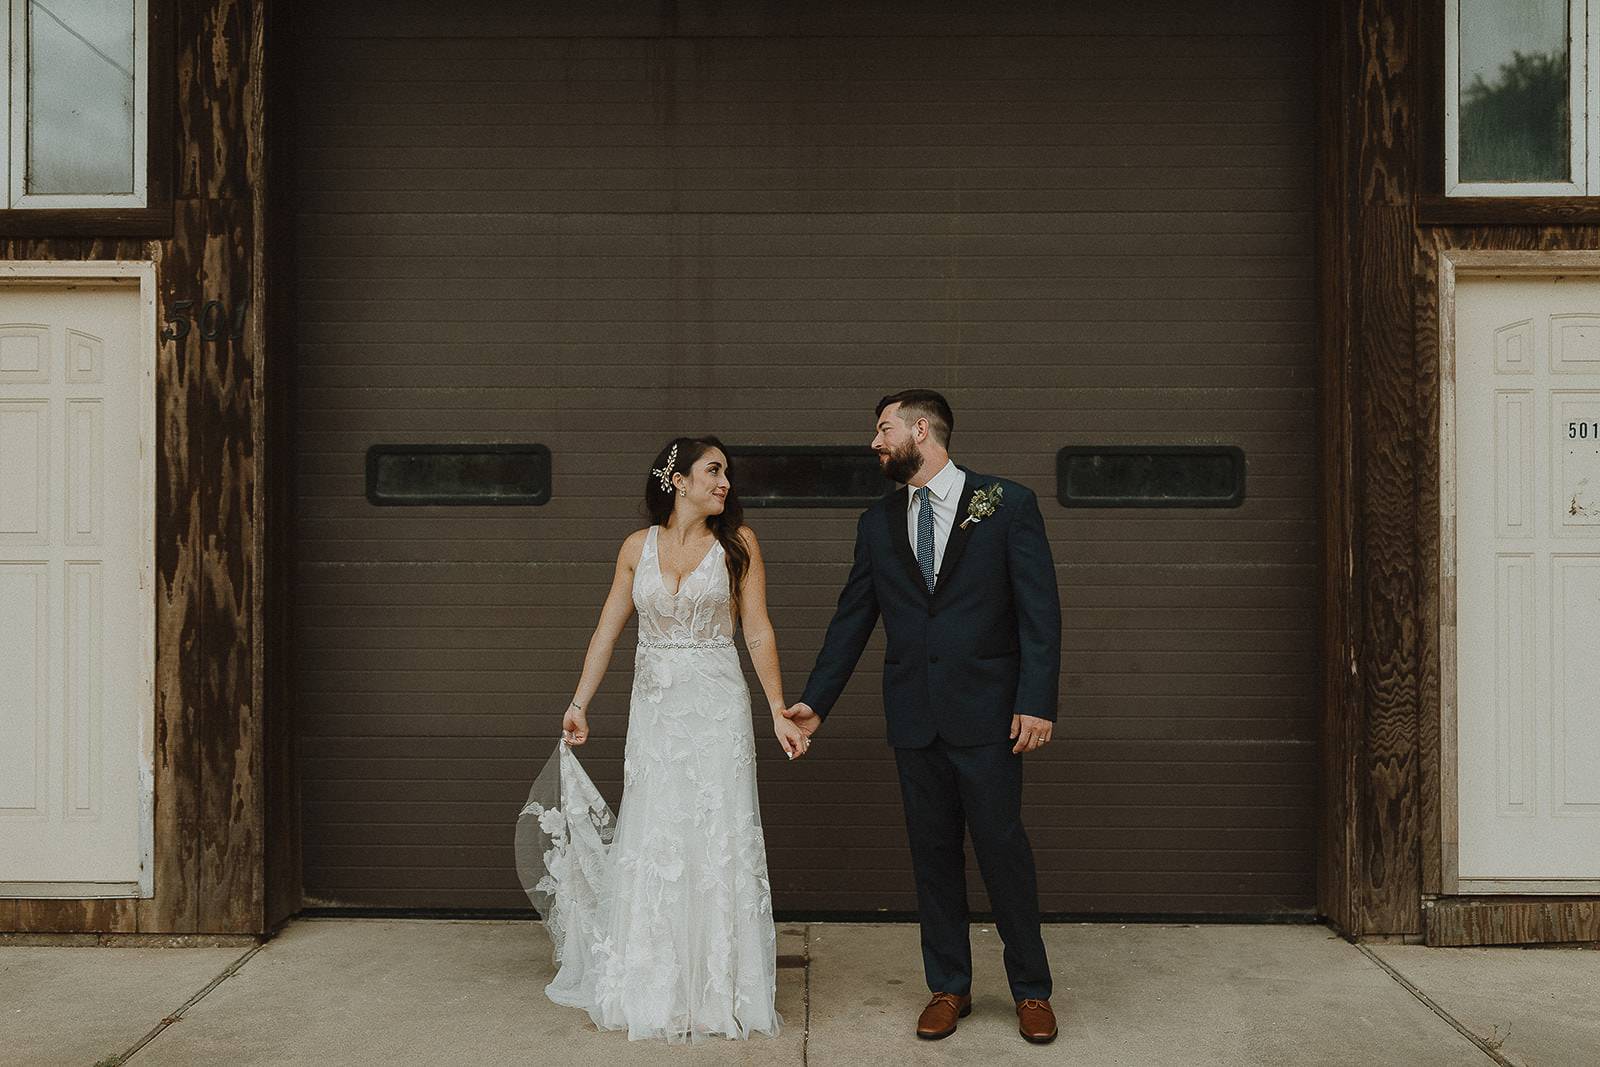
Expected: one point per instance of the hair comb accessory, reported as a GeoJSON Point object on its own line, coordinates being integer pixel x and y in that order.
{"type": "Point", "coordinates": [664, 475]}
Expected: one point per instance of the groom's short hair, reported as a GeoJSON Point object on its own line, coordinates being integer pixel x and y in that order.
{"type": "Point", "coordinates": [924, 404]}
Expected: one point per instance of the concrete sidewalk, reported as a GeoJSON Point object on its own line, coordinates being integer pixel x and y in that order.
{"type": "Point", "coordinates": [351, 992]}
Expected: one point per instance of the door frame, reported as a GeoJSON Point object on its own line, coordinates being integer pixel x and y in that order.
{"type": "Point", "coordinates": [1454, 263]}
{"type": "Point", "coordinates": [88, 273]}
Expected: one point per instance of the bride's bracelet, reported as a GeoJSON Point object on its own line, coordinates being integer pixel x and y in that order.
{"type": "Point", "coordinates": [574, 705]}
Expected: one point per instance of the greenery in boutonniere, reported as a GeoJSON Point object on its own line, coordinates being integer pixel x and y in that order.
{"type": "Point", "coordinates": [985, 502]}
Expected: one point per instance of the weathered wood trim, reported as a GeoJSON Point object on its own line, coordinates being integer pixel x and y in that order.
{"type": "Point", "coordinates": [1380, 394]}
{"type": "Point", "coordinates": [1430, 98]}
{"type": "Point", "coordinates": [1426, 405]}
{"type": "Point", "coordinates": [178, 540]}
{"type": "Point", "coordinates": [224, 115]}
{"type": "Point", "coordinates": [1466, 921]}
{"type": "Point", "coordinates": [1441, 844]}
{"type": "Point", "coordinates": [1521, 261]}
{"type": "Point", "coordinates": [161, 79]}
{"type": "Point", "coordinates": [1450, 263]}
{"type": "Point", "coordinates": [1528, 887]}
{"type": "Point", "coordinates": [1372, 865]}
{"type": "Point", "coordinates": [88, 222]}
{"type": "Point", "coordinates": [209, 852]}
{"type": "Point", "coordinates": [1508, 210]}
{"type": "Point", "coordinates": [1386, 440]}
{"type": "Point", "coordinates": [1455, 252]}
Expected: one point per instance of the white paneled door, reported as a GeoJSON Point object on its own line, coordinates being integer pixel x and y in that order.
{"type": "Point", "coordinates": [1527, 461]}
{"type": "Point", "coordinates": [75, 694]}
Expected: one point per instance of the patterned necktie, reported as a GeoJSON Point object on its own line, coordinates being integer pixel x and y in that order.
{"type": "Point", "coordinates": [925, 536]}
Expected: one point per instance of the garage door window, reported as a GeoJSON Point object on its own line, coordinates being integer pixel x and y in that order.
{"type": "Point", "coordinates": [807, 476]}
{"type": "Point", "coordinates": [1150, 476]}
{"type": "Point", "coordinates": [462, 475]}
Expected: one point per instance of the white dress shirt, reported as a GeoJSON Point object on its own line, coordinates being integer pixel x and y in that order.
{"type": "Point", "coordinates": [945, 496]}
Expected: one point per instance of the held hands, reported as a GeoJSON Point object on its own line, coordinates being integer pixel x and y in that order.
{"type": "Point", "coordinates": [574, 726]}
{"type": "Point", "coordinates": [1030, 733]}
{"type": "Point", "coordinates": [791, 737]}
{"type": "Point", "coordinates": [794, 726]}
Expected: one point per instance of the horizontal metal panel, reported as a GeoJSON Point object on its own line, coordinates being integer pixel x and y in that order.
{"type": "Point", "coordinates": [1097, 232]}
{"type": "Point", "coordinates": [585, 31]}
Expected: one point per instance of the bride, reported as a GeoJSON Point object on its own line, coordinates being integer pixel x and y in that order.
{"type": "Point", "coordinates": [661, 920]}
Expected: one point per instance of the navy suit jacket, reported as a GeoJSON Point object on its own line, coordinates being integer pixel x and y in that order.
{"type": "Point", "coordinates": [961, 661]}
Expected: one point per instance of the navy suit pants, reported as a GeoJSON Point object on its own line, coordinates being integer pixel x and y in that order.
{"type": "Point", "coordinates": [948, 789]}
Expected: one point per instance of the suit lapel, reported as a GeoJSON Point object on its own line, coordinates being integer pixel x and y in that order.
{"type": "Point", "coordinates": [895, 512]}
{"type": "Point", "coordinates": [957, 544]}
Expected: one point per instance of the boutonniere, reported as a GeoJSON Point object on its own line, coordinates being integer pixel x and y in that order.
{"type": "Point", "coordinates": [985, 502]}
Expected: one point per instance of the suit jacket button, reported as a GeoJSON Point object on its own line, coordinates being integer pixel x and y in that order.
{"type": "Point", "coordinates": [933, 659]}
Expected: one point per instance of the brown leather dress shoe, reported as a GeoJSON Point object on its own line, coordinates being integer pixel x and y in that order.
{"type": "Point", "coordinates": [1035, 1021]}
{"type": "Point", "coordinates": [939, 1017]}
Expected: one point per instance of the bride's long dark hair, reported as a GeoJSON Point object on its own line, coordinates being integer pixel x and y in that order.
{"type": "Point", "coordinates": [659, 502]}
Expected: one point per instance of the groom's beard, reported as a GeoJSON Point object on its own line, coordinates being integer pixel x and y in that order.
{"type": "Point", "coordinates": [903, 463]}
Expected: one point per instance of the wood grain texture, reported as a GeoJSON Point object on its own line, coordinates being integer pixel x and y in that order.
{"type": "Point", "coordinates": [1372, 876]}
{"type": "Point", "coordinates": [1436, 605]}
{"type": "Point", "coordinates": [1519, 233]}
{"type": "Point", "coordinates": [1387, 442]}
{"type": "Point", "coordinates": [217, 213]}
{"type": "Point", "coordinates": [176, 904]}
{"type": "Point", "coordinates": [89, 223]}
{"type": "Point", "coordinates": [229, 733]}
{"type": "Point", "coordinates": [1522, 921]}
{"type": "Point", "coordinates": [207, 753]}
{"type": "Point", "coordinates": [1508, 211]}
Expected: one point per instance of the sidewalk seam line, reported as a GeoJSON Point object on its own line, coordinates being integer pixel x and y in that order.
{"type": "Point", "coordinates": [1433, 1006]}
{"type": "Point", "coordinates": [227, 972]}
{"type": "Point", "coordinates": [805, 1036]}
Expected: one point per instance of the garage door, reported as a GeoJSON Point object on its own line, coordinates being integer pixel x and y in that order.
{"type": "Point", "coordinates": [1090, 228]}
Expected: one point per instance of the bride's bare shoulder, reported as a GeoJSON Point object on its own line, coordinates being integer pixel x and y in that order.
{"type": "Point", "coordinates": [633, 547]}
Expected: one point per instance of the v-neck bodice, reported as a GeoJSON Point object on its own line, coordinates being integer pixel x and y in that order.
{"type": "Point", "coordinates": [700, 612]}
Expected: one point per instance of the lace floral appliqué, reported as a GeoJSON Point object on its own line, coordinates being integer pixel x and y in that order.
{"type": "Point", "coordinates": [661, 919]}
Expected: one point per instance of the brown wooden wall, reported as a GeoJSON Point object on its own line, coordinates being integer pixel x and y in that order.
{"type": "Point", "coordinates": [227, 846]}
{"type": "Point", "coordinates": [1087, 224]}
{"type": "Point", "coordinates": [1369, 875]}
{"type": "Point", "coordinates": [212, 650]}
{"type": "Point", "coordinates": [1382, 225]}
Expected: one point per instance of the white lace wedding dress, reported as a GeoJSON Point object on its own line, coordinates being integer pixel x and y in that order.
{"type": "Point", "coordinates": [662, 921]}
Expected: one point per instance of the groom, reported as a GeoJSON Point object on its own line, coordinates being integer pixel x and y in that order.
{"type": "Point", "coordinates": [959, 567]}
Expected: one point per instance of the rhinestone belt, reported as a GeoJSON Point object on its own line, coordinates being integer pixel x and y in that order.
{"type": "Point", "coordinates": [712, 642]}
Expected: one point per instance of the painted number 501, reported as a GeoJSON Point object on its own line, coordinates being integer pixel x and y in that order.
{"type": "Point", "coordinates": [213, 323]}
{"type": "Point", "coordinates": [1583, 431]}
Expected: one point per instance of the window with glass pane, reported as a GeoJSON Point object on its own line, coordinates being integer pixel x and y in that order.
{"type": "Point", "coordinates": [1515, 77]}
{"type": "Point", "coordinates": [80, 96]}
{"type": "Point", "coordinates": [806, 476]}
{"type": "Point", "coordinates": [76, 103]}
